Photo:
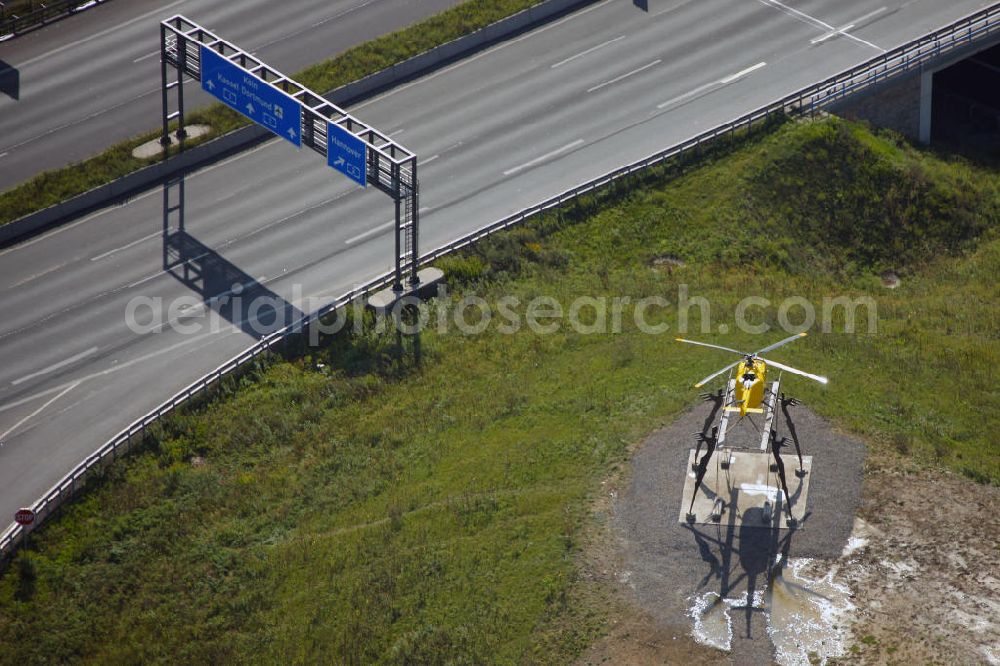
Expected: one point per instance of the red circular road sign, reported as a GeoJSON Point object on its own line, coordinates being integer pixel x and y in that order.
{"type": "Point", "coordinates": [24, 516]}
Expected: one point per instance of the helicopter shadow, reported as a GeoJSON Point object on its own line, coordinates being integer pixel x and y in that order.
{"type": "Point", "coordinates": [221, 286]}
{"type": "Point", "coordinates": [743, 558]}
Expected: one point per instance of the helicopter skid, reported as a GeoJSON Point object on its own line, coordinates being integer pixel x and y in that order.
{"type": "Point", "coordinates": [747, 493]}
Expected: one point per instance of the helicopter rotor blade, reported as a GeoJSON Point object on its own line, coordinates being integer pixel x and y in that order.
{"type": "Point", "coordinates": [779, 344]}
{"type": "Point", "coordinates": [716, 374]}
{"type": "Point", "coordinates": [710, 346]}
{"type": "Point", "coordinates": [786, 368]}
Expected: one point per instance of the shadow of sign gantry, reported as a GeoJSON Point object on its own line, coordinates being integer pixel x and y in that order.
{"type": "Point", "coordinates": [221, 286]}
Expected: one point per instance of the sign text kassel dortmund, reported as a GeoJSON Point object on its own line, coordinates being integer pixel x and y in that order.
{"type": "Point", "coordinates": [256, 99]}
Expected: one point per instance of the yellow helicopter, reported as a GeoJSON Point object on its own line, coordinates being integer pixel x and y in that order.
{"type": "Point", "coordinates": [750, 373]}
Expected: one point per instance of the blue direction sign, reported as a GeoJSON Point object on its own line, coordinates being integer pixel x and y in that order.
{"type": "Point", "coordinates": [256, 99]}
{"type": "Point", "coordinates": [346, 153]}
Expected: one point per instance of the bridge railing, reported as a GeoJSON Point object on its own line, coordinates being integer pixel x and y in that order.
{"type": "Point", "coordinates": [904, 59]}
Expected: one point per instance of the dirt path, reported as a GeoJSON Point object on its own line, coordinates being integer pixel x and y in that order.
{"type": "Point", "coordinates": [905, 571]}
{"type": "Point", "coordinates": [927, 582]}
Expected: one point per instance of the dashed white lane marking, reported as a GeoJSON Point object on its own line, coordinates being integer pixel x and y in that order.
{"type": "Point", "coordinates": [724, 81]}
{"type": "Point", "coordinates": [157, 274]}
{"type": "Point", "coordinates": [115, 28]}
{"type": "Point", "coordinates": [739, 75]}
{"type": "Point", "coordinates": [624, 76]}
{"type": "Point", "coordinates": [542, 158]}
{"type": "Point", "coordinates": [466, 61]}
{"type": "Point", "coordinates": [55, 366]}
{"type": "Point", "coordinates": [689, 94]}
{"type": "Point", "coordinates": [850, 26]}
{"type": "Point", "coordinates": [832, 33]}
{"type": "Point", "coordinates": [125, 247]}
{"type": "Point", "coordinates": [815, 22]}
{"type": "Point", "coordinates": [368, 234]}
{"type": "Point", "coordinates": [374, 231]}
{"type": "Point", "coordinates": [429, 160]}
{"type": "Point", "coordinates": [31, 278]}
{"type": "Point", "coordinates": [144, 57]}
{"type": "Point", "coordinates": [587, 52]}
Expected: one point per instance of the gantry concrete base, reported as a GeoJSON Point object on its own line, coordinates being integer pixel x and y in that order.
{"type": "Point", "coordinates": [154, 147]}
{"type": "Point", "coordinates": [748, 482]}
{"type": "Point", "coordinates": [383, 301]}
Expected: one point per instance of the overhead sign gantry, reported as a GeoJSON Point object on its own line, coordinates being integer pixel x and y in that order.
{"type": "Point", "coordinates": [296, 114]}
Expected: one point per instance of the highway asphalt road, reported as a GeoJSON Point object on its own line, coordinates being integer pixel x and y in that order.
{"type": "Point", "coordinates": [505, 129]}
{"type": "Point", "coordinates": [69, 90]}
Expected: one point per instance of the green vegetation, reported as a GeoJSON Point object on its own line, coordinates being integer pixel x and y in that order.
{"type": "Point", "coordinates": [352, 505]}
{"type": "Point", "coordinates": [52, 187]}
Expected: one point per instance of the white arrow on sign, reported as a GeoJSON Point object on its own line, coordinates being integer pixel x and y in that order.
{"type": "Point", "coordinates": [211, 85]}
{"type": "Point", "coordinates": [339, 162]}
{"type": "Point", "coordinates": [291, 133]}
{"type": "Point", "coordinates": [250, 107]}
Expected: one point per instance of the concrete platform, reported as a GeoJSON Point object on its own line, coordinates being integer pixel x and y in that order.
{"type": "Point", "coordinates": [154, 147]}
{"type": "Point", "coordinates": [383, 301]}
{"type": "Point", "coordinates": [744, 488]}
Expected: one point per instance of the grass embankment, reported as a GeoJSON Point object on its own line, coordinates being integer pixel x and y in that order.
{"type": "Point", "coordinates": [52, 187]}
{"type": "Point", "coordinates": [364, 511]}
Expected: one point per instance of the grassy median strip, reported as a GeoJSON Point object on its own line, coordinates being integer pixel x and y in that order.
{"type": "Point", "coordinates": [348, 507]}
{"type": "Point", "coordinates": [52, 187]}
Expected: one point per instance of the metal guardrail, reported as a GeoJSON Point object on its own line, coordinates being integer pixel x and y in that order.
{"type": "Point", "coordinates": [39, 14]}
{"type": "Point", "coordinates": [907, 58]}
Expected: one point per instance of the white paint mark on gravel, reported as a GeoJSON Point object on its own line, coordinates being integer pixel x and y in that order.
{"type": "Point", "coordinates": [808, 615]}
